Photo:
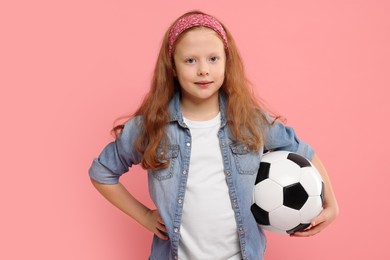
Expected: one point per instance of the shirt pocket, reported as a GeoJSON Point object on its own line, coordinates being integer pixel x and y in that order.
{"type": "Point", "coordinates": [168, 154]}
{"type": "Point", "coordinates": [247, 161]}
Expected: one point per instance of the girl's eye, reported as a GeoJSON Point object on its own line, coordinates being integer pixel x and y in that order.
{"type": "Point", "coordinates": [213, 59]}
{"type": "Point", "coordinates": [190, 60]}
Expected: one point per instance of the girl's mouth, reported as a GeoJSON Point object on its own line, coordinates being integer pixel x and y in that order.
{"type": "Point", "coordinates": [203, 84]}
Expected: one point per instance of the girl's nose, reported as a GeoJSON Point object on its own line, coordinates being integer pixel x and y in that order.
{"type": "Point", "coordinates": [203, 70]}
{"type": "Point", "coordinates": [203, 73]}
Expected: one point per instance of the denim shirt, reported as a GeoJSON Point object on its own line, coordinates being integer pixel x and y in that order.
{"type": "Point", "coordinates": [167, 186]}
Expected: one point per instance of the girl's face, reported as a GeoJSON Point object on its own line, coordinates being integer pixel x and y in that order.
{"type": "Point", "coordinates": [200, 61]}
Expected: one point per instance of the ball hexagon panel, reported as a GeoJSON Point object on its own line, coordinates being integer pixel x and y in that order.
{"type": "Point", "coordinates": [311, 181]}
{"type": "Point", "coordinates": [284, 218]}
{"type": "Point", "coordinates": [294, 196]}
{"type": "Point", "coordinates": [272, 157]}
{"type": "Point", "coordinates": [279, 169]}
{"type": "Point", "coordinates": [311, 209]}
{"type": "Point", "coordinates": [268, 195]}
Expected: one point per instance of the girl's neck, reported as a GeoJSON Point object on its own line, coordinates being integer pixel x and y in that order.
{"type": "Point", "coordinates": [202, 111]}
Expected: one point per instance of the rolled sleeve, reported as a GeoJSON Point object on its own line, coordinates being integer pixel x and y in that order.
{"type": "Point", "coordinates": [117, 156]}
{"type": "Point", "coordinates": [305, 150]}
{"type": "Point", "coordinates": [101, 174]}
{"type": "Point", "coordinates": [282, 137]}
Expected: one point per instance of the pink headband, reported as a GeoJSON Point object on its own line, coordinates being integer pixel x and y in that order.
{"type": "Point", "coordinates": [195, 20]}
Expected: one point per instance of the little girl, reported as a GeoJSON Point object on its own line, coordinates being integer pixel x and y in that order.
{"type": "Point", "coordinates": [200, 135]}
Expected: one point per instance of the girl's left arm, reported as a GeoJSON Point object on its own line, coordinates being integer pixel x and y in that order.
{"type": "Point", "coordinates": [331, 208]}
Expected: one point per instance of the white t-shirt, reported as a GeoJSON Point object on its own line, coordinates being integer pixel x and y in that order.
{"type": "Point", "coordinates": [208, 228]}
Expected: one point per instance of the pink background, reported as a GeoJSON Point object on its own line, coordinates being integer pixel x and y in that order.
{"type": "Point", "coordinates": [69, 68]}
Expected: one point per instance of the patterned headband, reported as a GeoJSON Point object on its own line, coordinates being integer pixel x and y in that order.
{"type": "Point", "coordinates": [192, 21]}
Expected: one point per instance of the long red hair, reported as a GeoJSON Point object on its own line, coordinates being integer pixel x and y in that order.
{"type": "Point", "coordinates": [245, 114]}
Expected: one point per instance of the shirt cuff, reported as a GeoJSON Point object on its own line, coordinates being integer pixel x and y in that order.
{"type": "Point", "coordinates": [305, 150]}
{"type": "Point", "coordinates": [101, 174]}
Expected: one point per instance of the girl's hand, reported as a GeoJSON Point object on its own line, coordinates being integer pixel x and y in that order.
{"type": "Point", "coordinates": [327, 215]}
{"type": "Point", "coordinates": [154, 223]}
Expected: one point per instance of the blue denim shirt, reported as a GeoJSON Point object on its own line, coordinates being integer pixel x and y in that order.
{"type": "Point", "coordinates": [167, 186]}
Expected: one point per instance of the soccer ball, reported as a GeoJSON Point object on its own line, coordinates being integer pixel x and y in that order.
{"type": "Point", "coordinates": [288, 193]}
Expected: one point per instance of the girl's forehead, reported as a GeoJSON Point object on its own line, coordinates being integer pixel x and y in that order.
{"type": "Point", "coordinates": [200, 36]}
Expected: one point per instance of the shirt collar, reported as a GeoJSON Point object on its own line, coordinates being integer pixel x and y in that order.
{"type": "Point", "coordinates": [175, 113]}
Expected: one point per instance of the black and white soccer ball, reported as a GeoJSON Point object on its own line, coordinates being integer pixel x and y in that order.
{"type": "Point", "coordinates": [288, 193]}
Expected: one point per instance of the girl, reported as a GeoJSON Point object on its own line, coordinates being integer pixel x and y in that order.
{"type": "Point", "coordinates": [200, 134]}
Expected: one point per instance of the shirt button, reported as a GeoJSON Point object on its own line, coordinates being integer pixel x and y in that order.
{"type": "Point", "coordinates": [184, 172]}
{"type": "Point", "coordinates": [180, 201]}
{"type": "Point", "coordinates": [188, 144]}
{"type": "Point", "coordinates": [175, 230]}
{"type": "Point", "coordinates": [228, 173]}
